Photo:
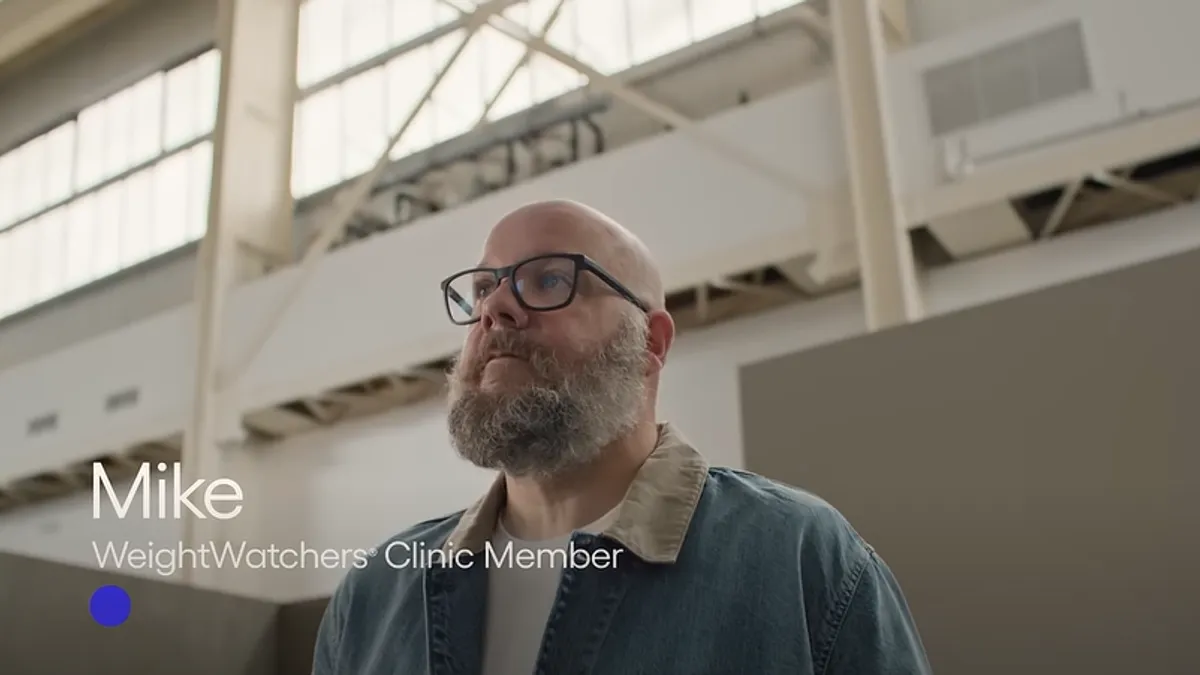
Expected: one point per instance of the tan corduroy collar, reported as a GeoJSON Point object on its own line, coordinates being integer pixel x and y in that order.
{"type": "Point", "coordinates": [651, 521]}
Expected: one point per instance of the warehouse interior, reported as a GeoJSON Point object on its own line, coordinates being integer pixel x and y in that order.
{"type": "Point", "coordinates": [933, 260]}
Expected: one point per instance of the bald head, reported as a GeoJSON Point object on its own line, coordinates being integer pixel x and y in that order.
{"type": "Point", "coordinates": [566, 226]}
{"type": "Point", "coordinates": [553, 372]}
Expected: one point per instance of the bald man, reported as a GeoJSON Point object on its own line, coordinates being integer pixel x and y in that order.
{"type": "Point", "coordinates": [606, 544]}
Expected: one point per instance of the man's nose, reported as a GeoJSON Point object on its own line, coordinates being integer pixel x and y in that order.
{"type": "Point", "coordinates": [501, 309]}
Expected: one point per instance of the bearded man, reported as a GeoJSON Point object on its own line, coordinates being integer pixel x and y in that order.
{"type": "Point", "coordinates": [606, 544]}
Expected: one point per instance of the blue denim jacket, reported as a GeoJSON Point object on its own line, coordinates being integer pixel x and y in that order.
{"type": "Point", "coordinates": [718, 571]}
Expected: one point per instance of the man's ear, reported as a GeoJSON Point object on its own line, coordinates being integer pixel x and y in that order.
{"type": "Point", "coordinates": [659, 338]}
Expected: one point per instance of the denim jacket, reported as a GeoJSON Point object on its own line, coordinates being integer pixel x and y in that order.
{"type": "Point", "coordinates": [717, 571]}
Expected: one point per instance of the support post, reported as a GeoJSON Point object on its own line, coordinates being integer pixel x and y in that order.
{"type": "Point", "coordinates": [889, 283]}
{"type": "Point", "coordinates": [249, 216]}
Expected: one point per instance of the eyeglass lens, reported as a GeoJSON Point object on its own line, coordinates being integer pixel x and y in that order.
{"type": "Point", "coordinates": [541, 283]}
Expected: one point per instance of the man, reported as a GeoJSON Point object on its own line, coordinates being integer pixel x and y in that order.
{"type": "Point", "coordinates": [606, 544]}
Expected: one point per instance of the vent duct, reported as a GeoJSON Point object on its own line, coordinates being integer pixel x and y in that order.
{"type": "Point", "coordinates": [122, 399]}
{"type": "Point", "coordinates": [42, 424]}
{"type": "Point", "coordinates": [1040, 68]}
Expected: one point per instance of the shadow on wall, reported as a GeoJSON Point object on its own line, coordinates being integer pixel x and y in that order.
{"type": "Point", "coordinates": [46, 627]}
{"type": "Point", "coordinates": [1029, 469]}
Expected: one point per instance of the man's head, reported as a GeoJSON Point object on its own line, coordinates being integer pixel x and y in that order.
{"type": "Point", "coordinates": [564, 361]}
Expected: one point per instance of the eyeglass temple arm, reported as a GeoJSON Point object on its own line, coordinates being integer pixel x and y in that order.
{"type": "Point", "coordinates": [459, 300]}
{"type": "Point", "coordinates": [618, 286]}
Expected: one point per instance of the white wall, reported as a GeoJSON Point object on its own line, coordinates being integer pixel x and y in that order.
{"type": "Point", "coordinates": [157, 285]}
{"type": "Point", "coordinates": [931, 19]}
{"type": "Point", "coordinates": [352, 486]}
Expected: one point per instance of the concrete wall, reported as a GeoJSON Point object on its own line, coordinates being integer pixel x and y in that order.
{"type": "Point", "coordinates": [931, 19]}
{"type": "Point", "coordinates": [1029, 468]}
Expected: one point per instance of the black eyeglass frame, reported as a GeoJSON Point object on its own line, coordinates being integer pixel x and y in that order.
{"type": "Point", "coordinates": [509, 272]}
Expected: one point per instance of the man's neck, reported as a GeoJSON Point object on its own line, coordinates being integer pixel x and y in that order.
{"type": "Point", "coordinates": [539, 509]}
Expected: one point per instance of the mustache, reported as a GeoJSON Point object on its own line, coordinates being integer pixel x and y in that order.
{"type": "Point", "coordinates": [509, 342]}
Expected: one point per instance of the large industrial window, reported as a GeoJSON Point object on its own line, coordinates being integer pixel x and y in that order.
{"type": "Point", "coordinates": [347, 113]}
{"type": "Point", "coordinates": [124, 181]}
{"type": "Point", "coordinates": [128, 178]}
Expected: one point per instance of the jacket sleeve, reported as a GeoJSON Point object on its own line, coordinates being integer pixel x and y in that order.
{"type": "Point", "coordinates": [873, 629]}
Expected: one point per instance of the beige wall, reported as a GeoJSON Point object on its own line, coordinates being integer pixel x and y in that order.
{"type": "Point", "coordinates": [1030, 469]}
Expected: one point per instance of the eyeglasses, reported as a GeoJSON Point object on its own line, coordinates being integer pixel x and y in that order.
{"type": "Point", "coordinates": [540, 284]}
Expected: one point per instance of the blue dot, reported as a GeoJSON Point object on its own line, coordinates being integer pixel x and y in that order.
{"type": "Point", "coordinates": [110, 606]}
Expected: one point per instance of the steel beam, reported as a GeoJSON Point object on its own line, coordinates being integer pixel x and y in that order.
{"type": "Point", "coordinates": [888, 273]}
{"type": "Point", "coordinates": [249, 212]}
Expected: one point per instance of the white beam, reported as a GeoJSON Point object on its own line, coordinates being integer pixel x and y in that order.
{"type": "Point", "coordinates": [889, 282]}
{"type": "Point", "coordinates": [1148, 192]}
{"type": "Point", "coordinates": [979, 230]}
{"type": "Point", "coordinates": [1061, 208]}
{"type": "Point", "coordinates": [895, 21]}
{"type": "Point", "coordinates": [249, 213]}
{"type": "Point", "coordinates": [1137, 140]}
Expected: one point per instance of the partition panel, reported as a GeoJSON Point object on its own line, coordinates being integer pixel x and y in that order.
{"type": "Point", "coordinates": [1030, 469]}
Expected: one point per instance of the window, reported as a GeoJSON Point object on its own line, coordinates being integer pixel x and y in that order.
{"type": "Point", "coordinates": [170, 179]}
{"type": "Point", "coordinates": [190, 100]}
{"type": "Point", "coordinates": [341, 125]}
{"type": "Point", "coordinates": [125, 180]}
{"type": "Point", "coordinates": [367, 28]}
{"type": "Point", "coordinates": [711, 17]}
{"type": "Point", "coordinates": [7, 293]}
{"type": "Point", "coordinates": [321, 41]}
{"type": "Point", "coordinates": [658, 28]}
{"type": "Point", "coordinates": [501, 56]}
{"type": "Point", "coordinates": [605, 45]}
{"type": "Point", "coordinates": [128, 178]}
{"type": "Point", "coordinates": [413, 18]}
{"type": "Point", "coordinates": [408, 76]}
{"type": "Point", "coordinates": [319, 127]}
{"type": "Point", "coordinates": [766, 7]}
{"type": "Point", "coordinates": [364, 122]}
{"type": "Point", "coordinates": [458, 101]}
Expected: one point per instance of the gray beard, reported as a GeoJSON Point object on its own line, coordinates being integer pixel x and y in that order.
{"type": "Point", "coordinates": [561, 422]}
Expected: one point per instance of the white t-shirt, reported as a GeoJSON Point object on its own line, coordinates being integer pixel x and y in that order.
{"type": "Point", "coordinates": [520, 599]}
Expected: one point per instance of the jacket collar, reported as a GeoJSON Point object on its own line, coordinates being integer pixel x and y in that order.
{"type": "Point", "coordinates": [651, 520]}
